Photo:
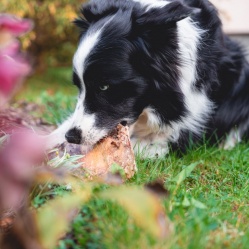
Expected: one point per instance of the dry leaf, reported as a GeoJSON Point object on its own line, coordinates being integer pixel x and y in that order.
{"type": "Point", "coordinates": [53, 220]}
{"type": "Point", "coordinates": [144, 207]}
{"type": "Point", "coordinates": [157, 188]}
{"type": "Point", "coordinates": [21, 231]}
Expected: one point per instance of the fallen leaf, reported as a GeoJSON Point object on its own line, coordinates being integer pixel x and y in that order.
{"type": "Point", "coordinates": [6, 220]}
{"type": "Point", "coordinates": [54, 218]}
{"type": "Point", "coordinates": [21, 231]}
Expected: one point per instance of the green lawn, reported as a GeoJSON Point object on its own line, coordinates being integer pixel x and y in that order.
{"type": "Point", "coordinates": [209, 209]}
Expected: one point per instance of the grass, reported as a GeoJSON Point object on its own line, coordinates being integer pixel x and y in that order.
{"type": "Point", "coordinates": [209, 209]}
{"type": "Point", "coordinates": [53, 91]}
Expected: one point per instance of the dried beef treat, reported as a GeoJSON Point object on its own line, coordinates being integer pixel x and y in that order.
{"type": "Point", "coordinates": [114, 149]}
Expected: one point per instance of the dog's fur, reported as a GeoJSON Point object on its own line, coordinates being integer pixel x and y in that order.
{"type": "Point", "coordinates": [163, 67]}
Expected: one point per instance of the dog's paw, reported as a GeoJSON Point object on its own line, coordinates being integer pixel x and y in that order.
{"type": "Point", "coordinates": [232, 139]}
{"type": "Point", "coordinates": [150, 150]}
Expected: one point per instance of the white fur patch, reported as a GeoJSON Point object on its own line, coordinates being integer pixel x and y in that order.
{"type": "Point", "coordinates": [86, 123]}
{"type": "Point", "coordinates": [84, 49]}
{"type": "Point", "coordinates": [196, 102]}
{"type": "Point", "coordinates": [57, 137]}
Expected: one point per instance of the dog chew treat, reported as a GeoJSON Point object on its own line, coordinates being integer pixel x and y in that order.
{"type": "Point", "coordinates": [114, 149]}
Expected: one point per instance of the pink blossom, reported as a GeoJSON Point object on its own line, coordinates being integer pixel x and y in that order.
{"type": "Point", "coordinates": [24, 149]}
{"type": "Point", "coordinates": [13, 69]}
{"type": "Point", "coordinates": [13, 65]}
{"type": "Point", "coordinates": [14, 25]}
{"type": "Point", "coordinates": [20, 154]}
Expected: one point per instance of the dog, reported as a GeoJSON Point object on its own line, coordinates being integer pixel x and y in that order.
{"type": "Point", "coordinates": [165, 68]}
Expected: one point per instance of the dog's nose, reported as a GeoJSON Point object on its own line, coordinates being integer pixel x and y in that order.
{"type": "Point", "coordinates": [124, 123]}
{"type": "Point", "coordinates": [74, 136]}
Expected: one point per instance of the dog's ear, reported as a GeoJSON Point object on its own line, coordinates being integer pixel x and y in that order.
{"type": "Point", "coordinates": [93, 14]}
{"type": "Point", "coordinates": [82, 24]}
{"type": "Point", "coordinates": [170, 13]}
{"type": "Point", "coordinates": [95, 10]}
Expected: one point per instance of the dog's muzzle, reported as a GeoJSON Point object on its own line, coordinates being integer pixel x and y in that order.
{"type": "Point", "coordinates": [74, 136]}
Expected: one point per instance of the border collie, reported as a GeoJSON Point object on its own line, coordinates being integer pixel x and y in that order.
{"type": "Point", "coordinates": [165, 68]}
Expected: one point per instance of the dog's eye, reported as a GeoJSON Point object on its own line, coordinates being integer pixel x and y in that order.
{"type": "Point", "coordinates": [104, 87]}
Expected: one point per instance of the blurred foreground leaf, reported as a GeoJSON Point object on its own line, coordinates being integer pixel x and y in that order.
{"type": "Point", "coordinates": [55, 217]}
{"type": "Point", "coordinates": [144, 207]}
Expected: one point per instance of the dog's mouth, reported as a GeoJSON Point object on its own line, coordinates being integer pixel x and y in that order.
{"type": "Point", "coordinates": [74, 136]}
{"type": "Point", "coordinates": [113, 130]}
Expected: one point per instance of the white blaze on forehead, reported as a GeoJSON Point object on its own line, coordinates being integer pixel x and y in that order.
{"type": "Point", "coordinates": [87, 44]}
{"type": "Point", "coordinates": [84, 49]}
{"type": "Point", "coordinates": [81, 119]}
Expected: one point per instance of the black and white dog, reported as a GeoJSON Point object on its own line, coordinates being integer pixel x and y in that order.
{"type": "Point", "coordinates": [165, 68]}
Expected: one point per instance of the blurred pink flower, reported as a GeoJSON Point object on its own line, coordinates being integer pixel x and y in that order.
{"type": "Point", "coordinates": [13, 68]}
{"type": "Point", "coordinates": [13, 65]}
{"type": "Point", "coordinates": [18, 158]}
{"type": "Point", "coordinates": [14, 25]}
{"type": "Point", "coordinates": [24, 149]}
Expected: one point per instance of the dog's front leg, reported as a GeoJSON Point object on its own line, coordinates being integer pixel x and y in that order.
{"type": "Point", "coordinates": [146, 137]}
{"type": "Point", "coordinates": [232, 139]}
{"type": "Point", "coordinates": [150, 147]}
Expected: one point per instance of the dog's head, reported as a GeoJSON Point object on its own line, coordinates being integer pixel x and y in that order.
{"type": "Point", "coordinates": [126, 55]}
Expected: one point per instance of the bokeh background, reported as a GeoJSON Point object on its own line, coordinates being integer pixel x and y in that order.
{"type": "Point", "coordinates": [50, 47]}
{"type": "Point", "coordinates": [53, 40]}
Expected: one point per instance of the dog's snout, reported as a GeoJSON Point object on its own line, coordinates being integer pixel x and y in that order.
{"type": "Point", "coordinates": [74, 136]}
